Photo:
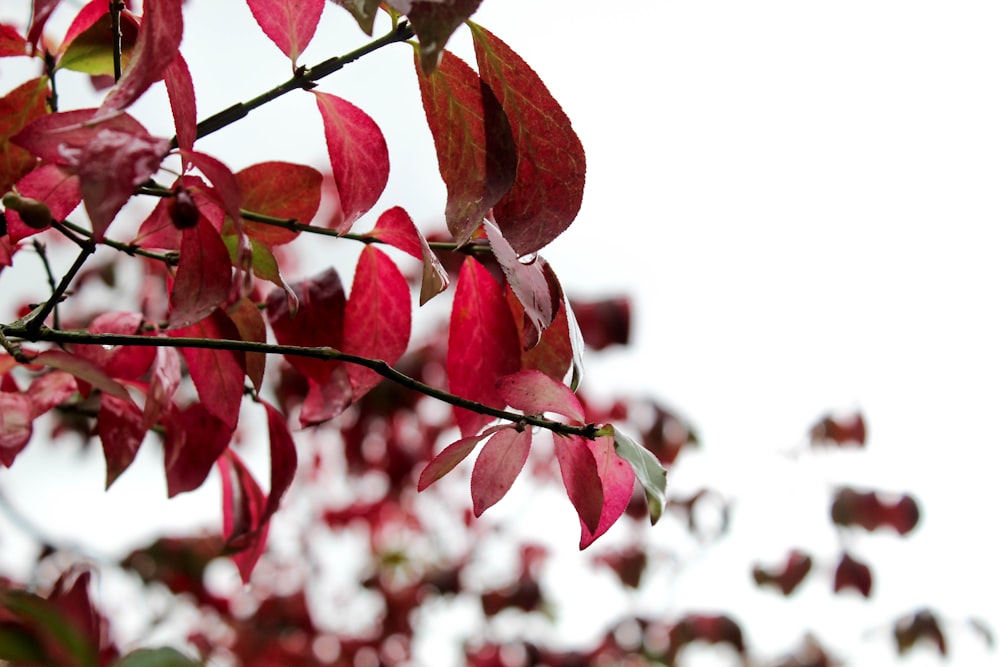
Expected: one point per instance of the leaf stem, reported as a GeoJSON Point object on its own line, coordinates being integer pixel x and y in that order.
{"type": "Point", "coordinates": [304, 78]}
{"type": "Point", "coordinates": [26, 332]}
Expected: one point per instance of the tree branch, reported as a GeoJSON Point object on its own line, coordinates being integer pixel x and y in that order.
{"type": "Point", "coordinates": [304, 78]}
{"type": "Point", "coordinates": [23, 332]}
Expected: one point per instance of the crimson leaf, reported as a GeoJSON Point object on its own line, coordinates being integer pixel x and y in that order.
{"type": "Point", "coordinates": [290, 24]}
{"type": "Point", "coordinates": [497, 466]}
{"type": "Point", "coordinates": [18, 108]}
{"type": "Point", "coordinates": [279, 190]}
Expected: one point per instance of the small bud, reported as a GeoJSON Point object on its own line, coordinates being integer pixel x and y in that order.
{"type": "Point", "coordinates": [182, 209]}
{"type": "Point", "coordinates": [34, 213]}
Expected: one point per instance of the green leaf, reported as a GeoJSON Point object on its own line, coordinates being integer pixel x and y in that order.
{"type": "Point", "coordinates": [647, 469]}
{"type": "Point", "coordinates": [160, 657]}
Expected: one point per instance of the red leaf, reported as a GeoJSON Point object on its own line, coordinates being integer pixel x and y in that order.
{"type": "Point", "coordinates": [605, 322]}
{"type": "Point", "coordinates": [377, 317]}
{"type": "Point", "coordinates": [852, 574]}
{"type": "Point", "coordinates": [15, 425]}
{"type": "Point", "coordinates": [49, 390]}
{"type": "Point", "coordinates": [159, 39]}
{"type": "Point", "coordinates": [248, 320]}
{"type": "Point", "coordinates": [472, 136]}
{"type": "Point", "coordinates": [204, 276]}
{"type": "Point", "coordinates": [434, 21]}
{"type": "Point", "coordinates": [396, 228]}
{"type": "Point", "coordinates": [11, 42]}
{"type": "Point", "coordinates": [497, 466]}
{"type": "Point", "coordinates": [325, 401]}
{"type": "Point", "coordinates": [482, 343]}
{"type": "Point", "coordinates": [920, 625]}
{"type": "Point", "coordinates": [842, 431]}
{"type": "Point", "coordinates": [284, 459]}
{"type": "Point", "coordinates": [217, 374]}
{"type": "Point", "coordinates": [551, 164]}
{"type": "Point", "coordinates": [120, 427]}
{"type": "Point", "coordinates": [358, 155]}
{"type": "Point", "coordinates": [279, 190]}
{"type": "Point", "coordinates": [40, 12]}
{"type": "Point", "coordinates": [55, 186]}
{"type": "Point", "coordinates": [451, 456]}
{"type": "Point", "coordinates": [125, 362]}
{"type": "Point", "coordinates": [553, 355]}
{"type": "Point", "coordinates": [18, 109]}
{"type": "Point", "coordinates": [89, 43]}
{"type": "Point", "coordinates": [581, 479]}
{"type": "Point", "coordinates": [194, 440]}
{"type": "Point", "coordinates": [534, 392]}
{"type": "Point", "coordinates": [290, 24]}
{"type": "Point", "coordinates": [242, 511]}
{"type": "Point", "coordinates": [319, 321]}
{"type": "Point", "coordinates": [225, 186]}
{"type": "Point", "coordinates": [867, 510]}
{"type": "Point", "coordinates": [166, 377]}
{"type": "Point", "coordinates": [180, 92]}
{"type": "Point", "coordinates": [617, 481]}
{"type": "Point", "coordinates": [788, 577]}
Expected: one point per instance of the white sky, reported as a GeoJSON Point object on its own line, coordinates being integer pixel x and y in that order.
{"type": "Point", "coordinates": [802, 199]}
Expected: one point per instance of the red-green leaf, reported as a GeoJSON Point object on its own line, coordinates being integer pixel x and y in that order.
{"type": "Point", "coordinates": [319, 321]}
{"type": "Point", "coordinates": [377, 317]}
{"type": "Point", "coordinates": [120, 427]}
{"type": "Point", "coordinates": [248, 320]}
{"type": "Point", "coordinates": [396, 228]}
{"type": "Point", "coordinates": [551, 164]}
{"type": "Point", "coordinates": [530, 283]}
{"type": "Point", "coordinates": [581, 479]}
{"type": "Point", "coordinates": [284, 459]}
{"type": "Point", "coordinates": [434, 21]}
{"type": "Point", "coordinates": [647, 470]}
{"type": "Point", "coordinates": [534, 392]}
{"type": "Point", "coordinates": [451, 456]}
{"type": "Point", "coordinates": [15, 425]}
{"type": "Point", "coordinates": [89, 43]}
{"type": "Point", "coordinates": [180, 92]}
{"type": "Point", "coordinates": [55, 186]}
{"type": "Point", "coordinates": [11, 42]}
{"type": "Point", "coordinates": [290, 24]}
{"type": "Point", "coordinates": [363, 11]}
{"type": "Point", "coordinates": [482, 343]}
{"type": "Point", "coordinates": [157, 45]}
{"type": "Point", "coordinates": [18, 108]}
{"type": "Point", "coordinates": [279, 190]}
{"type": "Point", "coordinates": [475, 148]}
{"type": "Point", "coordinates": [194, 440]}
{"type": "Point", "coordinates": [242, 513]}
{"type": "Point", "coordinates": [204, 276]}
{"type": "Point", "coordinates": [217, 374]}
{"type": "Point", "coordinates": [497, 466]}
{"type": "Point", "coordinates": [358, 155]}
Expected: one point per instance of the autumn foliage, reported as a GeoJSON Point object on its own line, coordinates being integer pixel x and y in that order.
{"type": "Point", "coordinates": [216, 335]}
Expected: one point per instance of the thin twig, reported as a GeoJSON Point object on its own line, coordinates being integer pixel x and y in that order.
{"type": "Point", "coordinates": [23, 332]}
{"type": "Point", "coordinates": [40, 250]}
{"type": "Point", "coordinates": [116, 7]}
{"type": "Point", "coordinates": [37, 319]}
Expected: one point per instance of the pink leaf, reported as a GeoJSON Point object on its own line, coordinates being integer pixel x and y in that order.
{"type": "Point", "coordinates": [451, 456]}
{"type": "Point", "coordinates": [319, 321]}
{"type": "Point", "coordinates": [482, 343]}
{"type": "Point", "coordinates": [497, 466]}
{"type": "Point", "coordinates": [242, 512]}
{"type": "Point", "coordinates": [534, 392]}
{"type": "Point", "coordinates": [194, 440]}
{"type": "Point", "coordinates": [55, 186]}
{"type": "Point", "coordinates": [530, 283]}
{"type": "Point", "coordinates": [125, 362]}
{"type": "Point", "coordinates": [377, 317]}
{"type": "Point", "coordinates": [581, 479]}
{"type": "Point", "coordinates": [396, 228]}
{"type": "Point", "coordinates": [283, 459]}
{"type": "Point", "coordinates": [180, 91]}
{"type": "Point", "coordinates": [18, 109]}
{"type": "Point", "coordinates": [358, 155]}
{"type": "Point", "coordinates": [84, 370]}
{"type": "Point", "coordinates": [49, 390]}
{"type": "Point", "coordinates": [120, 427]}
{"type": "Point", "coordinates": [325, 401]}
{"type": "Point", "coordinates": [290, 24]}
{"type": "Point", "coordinates": [617, 481]}
{"type": "Point", "coordinates": [15, 425]}
{"type": "Point", "coordinates": [111, 166]}
{"type": "Point", "coordinates": [159, 39]}
{"type": "Point", "coordinates": [204, 276]}
{"type": "Point", "coordinates": [217, 374]}
{"type": "Point", "coordinates": [166, 377]}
